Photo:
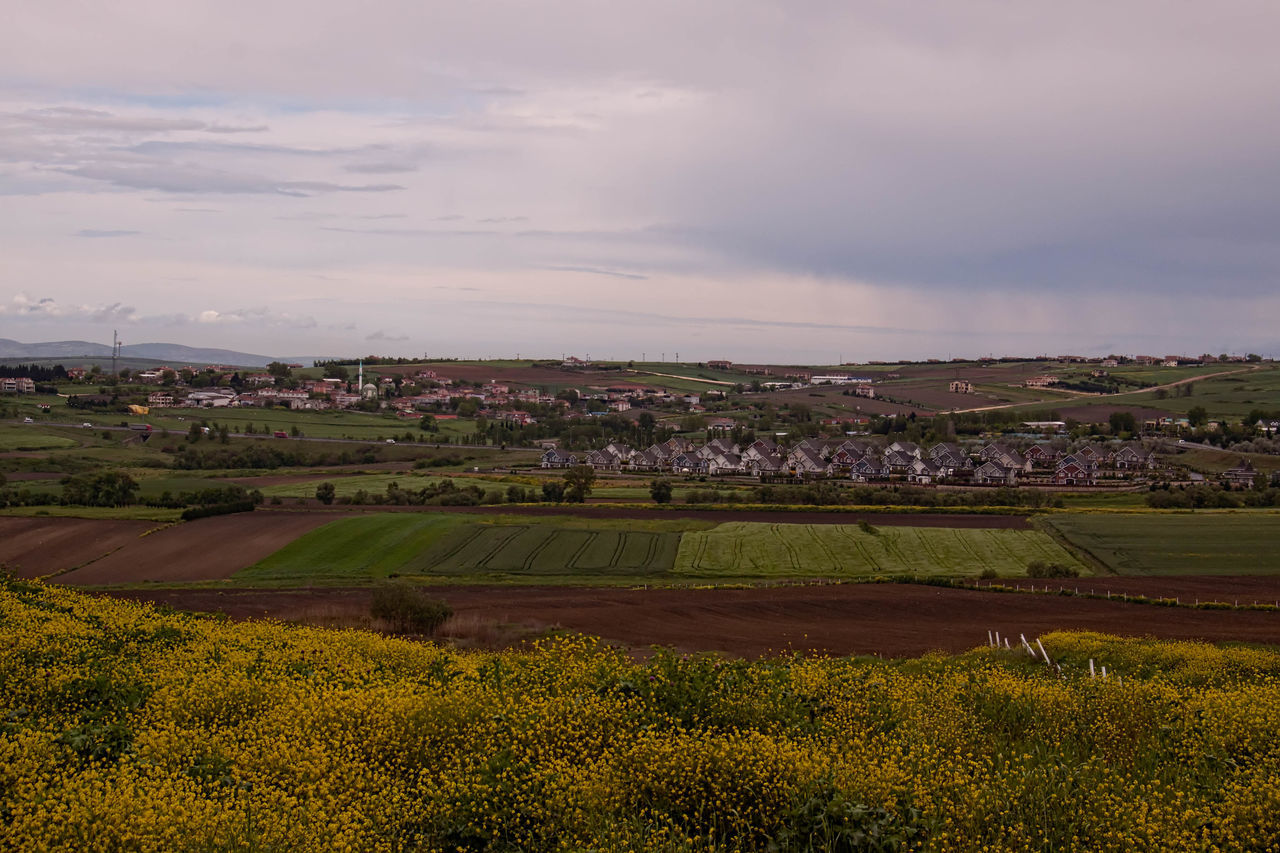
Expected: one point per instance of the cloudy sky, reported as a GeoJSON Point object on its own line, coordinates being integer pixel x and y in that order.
{"type": "Point", "coordinates": [800, 182]}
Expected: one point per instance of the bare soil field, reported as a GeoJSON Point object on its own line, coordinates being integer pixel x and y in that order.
{"type": "Point", "coordinates": [19, 476]}
{"type": "Point", "coordinates": [883, 619]}
{"type": "Point", "coordinates": [1100, 413]}
{"type": "Point", "coordinates": [34, 547]}
{"type": "Point", "coordinates": [1247, 589]}
{"type": "Point", "coordinates": [207, 549]}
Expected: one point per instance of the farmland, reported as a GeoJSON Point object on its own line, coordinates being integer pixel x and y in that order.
{"type": "Point", "coordinates": [746, 549]}
{"type": "Point", "coordinates": [259, 736]}
{"type": "Point", "coordinates": [443, 546]}
{"type": "Point", "coordinates": [1199, 543]}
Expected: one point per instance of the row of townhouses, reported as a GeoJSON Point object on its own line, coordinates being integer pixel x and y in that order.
{"type": "Point", "coordinates": [863, 461]}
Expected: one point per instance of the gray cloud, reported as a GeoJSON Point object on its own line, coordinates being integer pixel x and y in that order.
{"type": "Point", "coordinates": [380, 168]}
{"type": "Point", "coordinates": [91, 232]}
{"type": "Point", "coordinates": [190, 178]}
{"type": "Point", "coordinates": [599, 271]}
{"type": "Point", "coordinates": [383, 336]}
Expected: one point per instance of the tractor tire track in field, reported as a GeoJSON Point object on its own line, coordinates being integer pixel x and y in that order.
{"type": "Point", "coordinates": [499, 545]}
{"type": "Point", "coordinates": [582, 549]}
{"type": "Point", "coordinates": [823, 547]}
{"type": "Point", "coordinates": [792, 555]}
{"type": "Point", "coordinates": [856, 542]}
{"type": "Point", "coordinates": [618, 549]}
{"type": "Point", "coordinates": [527, 565]}
{"type": "Point", "coordinates": [966, 545]}
{"type": "Point", "coordinates": [466, 540]}
{"type": "Point", "coordinates": [651, 552]}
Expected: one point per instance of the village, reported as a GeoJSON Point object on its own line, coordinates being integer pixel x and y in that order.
{"type": "Point", "coordinates": [992, 464]}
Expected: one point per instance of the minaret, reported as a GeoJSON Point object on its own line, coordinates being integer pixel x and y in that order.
{"type": "Point", "coordinates": [360, 377]}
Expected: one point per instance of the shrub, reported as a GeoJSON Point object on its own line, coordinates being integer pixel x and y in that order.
{"type": "Point", "coordinates": [1041, 569]}
{"type": "Point", "coordinates": [408, 609]}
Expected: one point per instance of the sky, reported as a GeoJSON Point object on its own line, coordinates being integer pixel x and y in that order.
{"type": "Point", "coordinates": [803, 183]}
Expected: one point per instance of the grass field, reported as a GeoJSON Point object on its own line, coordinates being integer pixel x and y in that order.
{"type": "Point", "coordinates": [29, 437]}
{"type": "Point", "coordinates": [749, 549]}
{"type": "Point", "coordinates": [140, 513]}
{"type": "Point", "coordinates": [1200, 543]}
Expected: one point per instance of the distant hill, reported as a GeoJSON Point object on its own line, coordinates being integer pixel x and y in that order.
{"type": "Point", "coordinates": [176, 353]}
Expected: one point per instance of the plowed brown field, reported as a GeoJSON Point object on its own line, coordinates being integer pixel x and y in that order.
{"type": "Point", "coordinates": [207, 549]}
{"type": "Point", "coordinates": [34, 547]}
{"type": "Point", "coordinates": [885, 619]}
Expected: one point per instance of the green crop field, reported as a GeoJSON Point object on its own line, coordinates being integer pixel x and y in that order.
{"type": "Point", "coordinates": [1200, 543]}
{"type": "Point", "coordinates": [569, 550]}
{"type": "Point", "coordinates": [361, 548]}
{"type": "Point", "coordinates": [539, 550]}
{"type": "Point", "coordinates": [750, 549]}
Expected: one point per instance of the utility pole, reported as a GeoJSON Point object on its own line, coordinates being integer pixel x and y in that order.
{"type": "Point", "coordinates": [115, 350]}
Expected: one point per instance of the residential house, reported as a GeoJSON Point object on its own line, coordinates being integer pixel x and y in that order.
{"type": "Point", "coordinates": [1005, 456]}
{"type": "Point", "coordinates": [1243, 475]}
{"type": "Point", "coordinates": [992, 472]}
{"type": "Point", "coordinates": [961, 386]}
{"type": "Point", "coordinates": [924, 471]}
{"type": "Point", "coordinates": [556, 458]}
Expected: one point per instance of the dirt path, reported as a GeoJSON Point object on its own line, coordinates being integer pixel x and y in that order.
{"type": "Point", "coordinates": [884, 619]}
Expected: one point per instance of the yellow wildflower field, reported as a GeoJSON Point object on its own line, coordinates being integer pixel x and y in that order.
{"type": "Point", "coordinates": [126, 728]}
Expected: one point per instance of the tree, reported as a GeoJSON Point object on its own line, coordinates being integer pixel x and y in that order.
{"type": "Point", "coordinates": [552, 491]}
{"type": "Point", "coordinates": [660, 491]}
{"type": "Point", "coordinates": [325, 493]}
{"type": "Point", "coordinates": [335, 371]}
{"type": "Point", "coordinates": [278, 369]}
{"type": "Point", "coordinates": [578, 481]}
{"type": "Point", "coordinates": [1122, 422]}
{"type": "Point", "coordinates": [428, 424]}
{"type": "Point", "coordinates": [1198, 416]}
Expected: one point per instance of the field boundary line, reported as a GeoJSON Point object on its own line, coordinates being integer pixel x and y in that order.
{"type": "Point", "coordinates": [1081, 553]}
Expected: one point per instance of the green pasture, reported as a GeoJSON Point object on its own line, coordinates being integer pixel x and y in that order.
{"type": "Point", "coordinates": [142, 513]}
{"type": "Point", "coordinates": [1205, 542]}
{"type": "Point", "coordinates": [29, 437]}
{"type": "Point", "coordinates": [371, 483]}
{"type": "Point", "coordinates": [756, 550]}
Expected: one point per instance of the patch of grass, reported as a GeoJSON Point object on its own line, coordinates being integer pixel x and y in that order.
{"type": "Point", "coordinates": [751, 549]}
{"type": "Point", "coordinates": [29, 437]}
{"type": "Point", "coordinates": [1199, 543]}
{"type": "Point", "coordinates": [140, 513]}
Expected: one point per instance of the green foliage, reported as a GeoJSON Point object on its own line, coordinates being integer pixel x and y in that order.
{"type": "Point", "coordinates": [325, 493]}
{"type": "Point", "coordinates": [408, 609]}
{"type": "Point", "coordinates": [578, 481]}
{"type": "Point", "coordinates": [660, 491]}
{"type": "Point", "coordinates": [103, 488]}
{"type": "Point", "coordinates": [1043, 569]}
